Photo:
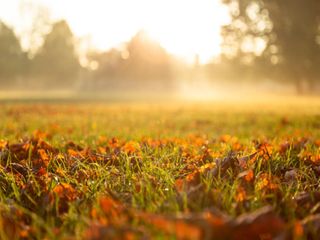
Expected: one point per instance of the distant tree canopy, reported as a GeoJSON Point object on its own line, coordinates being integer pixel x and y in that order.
{"type": "Point", "coordinates": [275, 39]}
{"type": "Point", "coordinates": [56, 60]}
{"type": "Point", "coordinates": [12, 58]}
{"type": "Point", "coordinates": [142, 61]}
{"type": "Point", "coordinates": [147, 59]}
{"type": "Point", "coordinates": [284, 34]}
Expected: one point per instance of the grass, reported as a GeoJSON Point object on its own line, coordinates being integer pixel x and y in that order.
{"type": "Point", "coordinates": [124, 170]}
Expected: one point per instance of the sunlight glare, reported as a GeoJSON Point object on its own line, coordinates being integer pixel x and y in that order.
{"type": "Point", "coordinates": [184, 28]}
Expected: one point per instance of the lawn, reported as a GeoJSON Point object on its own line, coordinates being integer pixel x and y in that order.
{"type": "Point", "coordinates": [208, 170]}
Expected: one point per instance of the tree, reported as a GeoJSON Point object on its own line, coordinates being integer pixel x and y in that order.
{"type": "Point", "coordinates": [56, 60]}
{"type": "Point", "coordinates": [36, 24]}
{"type": "Point", "coordinates": [141, 63]}
{"type": "Point", "coordinates": [285, 33]}
{"type": "Point", "coordinates": [12, 58]}
{"type": "Point", "coordinates": [108, 63]}
{"type": "Point", "coordinates": [147, 60]}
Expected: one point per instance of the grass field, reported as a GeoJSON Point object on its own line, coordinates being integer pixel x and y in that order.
{"type": "Point", "coordinates": [208, 170]}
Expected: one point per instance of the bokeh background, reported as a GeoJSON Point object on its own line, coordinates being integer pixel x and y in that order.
{"type": "Point", "coordinates": [198, 50]}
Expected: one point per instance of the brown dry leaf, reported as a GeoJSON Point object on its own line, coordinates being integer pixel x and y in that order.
{"type": "Point", "coordinates": [249, 159]}
{"type": "Point", "coordinates": [225, 138]}
{"type": "Point", "coordinates": [102, 150]}
{"type": "Point", "coordinates": [10, 228]}
{"type": "Point", "coordinates": [11, 224]}
{"type": "Point", "coordinates": [98, 231]}
{"type": "Point", "coordinates": [19, 169]}
{"type": "Point", "coordinates": [291, 175]}
{"type": "Point", "coordinates": [46, 146]}
{"type": "Point", "coordinates": [241, 194]}
{"type": "Point", "coordinates": [261, 224]}
{"type": "Point", "coordinates": [131, 147]}
{"type": "Point", "coordinates": [102, 140]}
{"type": "Point", "coordinates": [311, 226]}
{"type": "Point", "coordinates": [187, 231]}
{"type": "Point", "coordinates": [73, 153]}
{"type": "Point", "coordinates": [298, 230]}
{"type": "Point", "coordinates": [247, 175]}
{"type": "Point", "coordinates": [42, 172]}
{"type": "Point", "coordinates": [3, 144]}
{"type": "Point", "coordinates": [72, 145]}
{"type": "Point", "coordinates": [114, 143]}
{"type": "Point", "coordinates": [107, 204]}
{"type": "Point", "coordinates": [192, 182]}
{"type": "Point", "coordinates": [180, 228]}
{"type": "Point", "coordinates": [310, 157]}
{"type": "Point", "coordinates": [267, 182]}
{"type": "Point", "coordinates": [265, 149]}
{"type": "Point", "coordinates": [307, 198]}
{"type": "Point", "coordinates": [43, 155]}
{"type": "Point", "coordinates": [19, 151]}
{"type": "Point", "coordinates": [66, 193]}
{"type": "Point", "coordinates": [38, 134]}
{"type": "Point", "coordinates": [113, 210]}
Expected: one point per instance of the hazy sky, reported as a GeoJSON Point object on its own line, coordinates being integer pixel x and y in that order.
{"type": "Point", "coordinates": [183, 27]}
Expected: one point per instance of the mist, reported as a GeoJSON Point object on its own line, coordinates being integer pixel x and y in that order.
{"type": "Point", "coordinates": [259, 55]}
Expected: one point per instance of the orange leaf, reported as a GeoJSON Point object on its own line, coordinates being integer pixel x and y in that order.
{"type": "Point", "coordinates": [73, 153]}
{"type": "Point", "coordinates": [43, 155]}
{"type": "Point", "coordinates": [106, 204]}
{"type": "Point", "coordinates": [249, 176]}
{"type": "Point", "coordinates": [298, 230]}
{"type": "Point", "coordinates": [3, 144]}
{"type": "Point", "coordinates": [187, 231]}
{"type": "Point", "coordinates": [241, 195]}
{"type": "Point", "coordinates": [131, 147]}
{"type": "Point", "coordinates": [65, 190]}
{"type": "Point", "coordinates": [39, 134]}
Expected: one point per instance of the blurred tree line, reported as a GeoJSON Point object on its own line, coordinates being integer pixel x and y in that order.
{"type": "Point", "coordinates": [274, 39]}
{"type": "Point", "coordinates": [13, 61]}
{"type": "Point", "coordinates": [142, 63]}
{"type": "Point", "coordinates": [265, 39]}
{"type": "Point", "coordinates": [55, 62]}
